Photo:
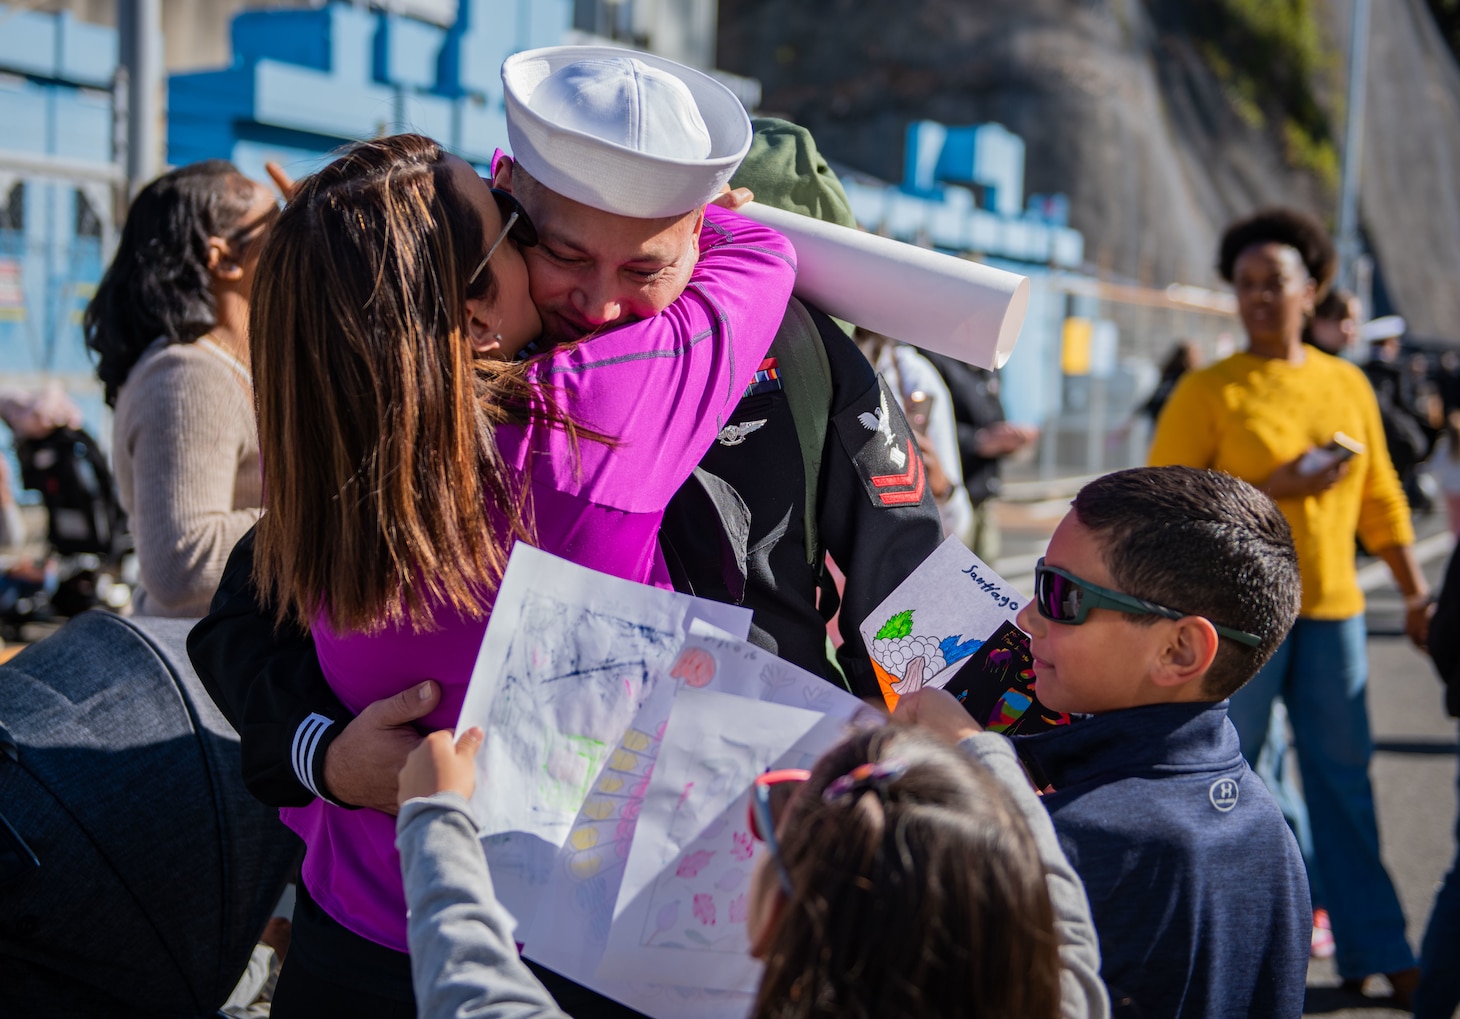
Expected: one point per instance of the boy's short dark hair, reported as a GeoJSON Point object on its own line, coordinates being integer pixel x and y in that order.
{"type": "Point", "coordinates": [1204, 543]}
{"type": "Point", "coordinates": [1281, 226]}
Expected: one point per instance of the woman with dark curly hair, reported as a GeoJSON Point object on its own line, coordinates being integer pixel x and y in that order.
{"type": "Point", "coordinates": [1288, 418]}
{"type": "Point", "coordinates": [169, 325]}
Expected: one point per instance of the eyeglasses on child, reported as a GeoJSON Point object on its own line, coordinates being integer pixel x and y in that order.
{"type": "Point", "coordinates": [768, 798]}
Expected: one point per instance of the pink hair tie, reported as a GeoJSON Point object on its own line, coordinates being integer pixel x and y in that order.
{"type": "Point", "coordinates": [872, 775]}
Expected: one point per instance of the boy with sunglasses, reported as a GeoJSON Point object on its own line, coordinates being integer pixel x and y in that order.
{"type": "Point", "coordinates": [1162, 592]}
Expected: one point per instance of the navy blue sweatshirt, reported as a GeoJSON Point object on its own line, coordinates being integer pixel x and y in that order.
{"type": "Point", "coordinates": [1197, 889]}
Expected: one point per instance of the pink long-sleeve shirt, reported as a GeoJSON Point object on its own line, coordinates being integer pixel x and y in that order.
{"type": "Point", "coordinates": [663, 387]}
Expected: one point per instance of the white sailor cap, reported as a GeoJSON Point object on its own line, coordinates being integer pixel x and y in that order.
{"type": "Point", "coordinates": [630, 133]}
{"type": "Point", "coordinates": [1385, 327]}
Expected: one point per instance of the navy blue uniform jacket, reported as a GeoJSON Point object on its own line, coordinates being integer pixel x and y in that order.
{"type": "Point", "coordinates": [1195, 883]}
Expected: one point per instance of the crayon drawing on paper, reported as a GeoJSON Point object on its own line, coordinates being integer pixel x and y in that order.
{"type": "Point", "coordinates": [935, 620]}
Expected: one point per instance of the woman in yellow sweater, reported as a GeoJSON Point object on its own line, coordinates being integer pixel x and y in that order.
{"type": "Point", "coordinates": [1270, 415]}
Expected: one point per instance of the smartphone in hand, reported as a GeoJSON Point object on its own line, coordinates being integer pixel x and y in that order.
{"type": "Point", "coordinates": [1320, 458]}
{"type": "Point", "coordinates": [1343, 447]}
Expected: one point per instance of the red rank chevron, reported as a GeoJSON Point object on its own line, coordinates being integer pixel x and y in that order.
{"type": "Point", "coordinates": [914, 476]}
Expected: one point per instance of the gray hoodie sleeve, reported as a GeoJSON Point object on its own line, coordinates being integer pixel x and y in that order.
{"type": "Point", "coordinates": [1082, 992]}
{"type": "Point", "coordinates": [464, 962]}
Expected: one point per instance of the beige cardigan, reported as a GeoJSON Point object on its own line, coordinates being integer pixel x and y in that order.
{"type": "Point", "coordinates": [186, 452]}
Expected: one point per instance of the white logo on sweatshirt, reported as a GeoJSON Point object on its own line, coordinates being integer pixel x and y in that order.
{"type": "Point", "coordinates": [1223, 794]}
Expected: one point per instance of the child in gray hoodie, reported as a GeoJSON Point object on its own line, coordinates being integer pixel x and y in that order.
{"type": "Point", "coordinates": [901, 878]}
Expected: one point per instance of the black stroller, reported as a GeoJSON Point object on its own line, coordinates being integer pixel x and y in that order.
{"type": "Point", "coordinates": [136, 872]}
{"type": "Point", "coordinates": [86, 530]}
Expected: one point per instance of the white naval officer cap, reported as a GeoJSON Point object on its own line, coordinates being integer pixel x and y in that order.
{"type": "Point", "coordinates": [630, 133]}
{"type": "Point", "coordinates": [1385, 327]}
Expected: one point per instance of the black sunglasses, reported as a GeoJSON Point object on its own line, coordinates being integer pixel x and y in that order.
{"type": "Point", "coordinates": [245, 234]}
{"type": "Point", "coordinates": [1062, 597]}
{"type": "Point", "coordinates": [515, 224]}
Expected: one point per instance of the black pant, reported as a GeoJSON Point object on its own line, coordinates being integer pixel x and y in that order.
{"type": "Point", "coordinates": [331, 970]}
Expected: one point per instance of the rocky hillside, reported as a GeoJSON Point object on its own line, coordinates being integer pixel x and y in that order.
{"type": "Point", "coordinates": [1161, 119]}
{"type": "Point", "coordinates": [1410, 201]}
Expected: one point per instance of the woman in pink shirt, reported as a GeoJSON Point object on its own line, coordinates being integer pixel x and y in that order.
{"type": "Point", "coordinates": [404, 451]}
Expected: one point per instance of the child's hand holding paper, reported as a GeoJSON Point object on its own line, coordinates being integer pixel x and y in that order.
{"type": "Point", "coordinates": [439, 765]}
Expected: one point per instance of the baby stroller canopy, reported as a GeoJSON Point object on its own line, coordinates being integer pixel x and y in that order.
{"type": "Point", "coordinates": [137, 872]}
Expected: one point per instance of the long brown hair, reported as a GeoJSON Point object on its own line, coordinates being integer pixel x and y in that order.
{"type": "Point", "coordinates": [385, 492]}
{"type": "Point", "coordinates": [922, 896]}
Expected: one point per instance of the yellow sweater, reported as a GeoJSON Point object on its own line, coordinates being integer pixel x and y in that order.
{"type": "Point", "coordinates": [1249, 415]}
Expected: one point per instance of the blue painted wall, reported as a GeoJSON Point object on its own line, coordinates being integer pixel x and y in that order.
{"type": "Point", "coordinates": [963, 191]}
{"type": "Point", "coordinates": [303, 83]}
{"type": "Point", "coordinates": [55, 79]}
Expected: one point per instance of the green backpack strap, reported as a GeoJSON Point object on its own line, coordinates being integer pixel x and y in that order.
{"type": "Point", "coordinates": [806, 378]}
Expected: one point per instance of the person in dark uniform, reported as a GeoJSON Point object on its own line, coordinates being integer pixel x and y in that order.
{"type": "Point", "coordinates": [740, 531]}
{"type": "Point", "coordinates": [753, 527]}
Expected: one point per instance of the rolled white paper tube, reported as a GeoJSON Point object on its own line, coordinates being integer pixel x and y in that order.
{"type": "Point", "coordinates": [949, 305]}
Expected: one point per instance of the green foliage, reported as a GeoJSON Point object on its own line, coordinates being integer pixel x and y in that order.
{"type": "Point", "coordinates": [1302, 149]}
{"type": "Point", "coordinates": [898, 627]}
{"type": "Point", "coordinates": [1268, 54]}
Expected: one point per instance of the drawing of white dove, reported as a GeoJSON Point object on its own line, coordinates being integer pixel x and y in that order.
{"type": "Point", "coordinates": [881, 421]}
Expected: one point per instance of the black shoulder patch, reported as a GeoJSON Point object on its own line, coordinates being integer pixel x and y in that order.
{"type": "Point", "coordinates": [878, 439]}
